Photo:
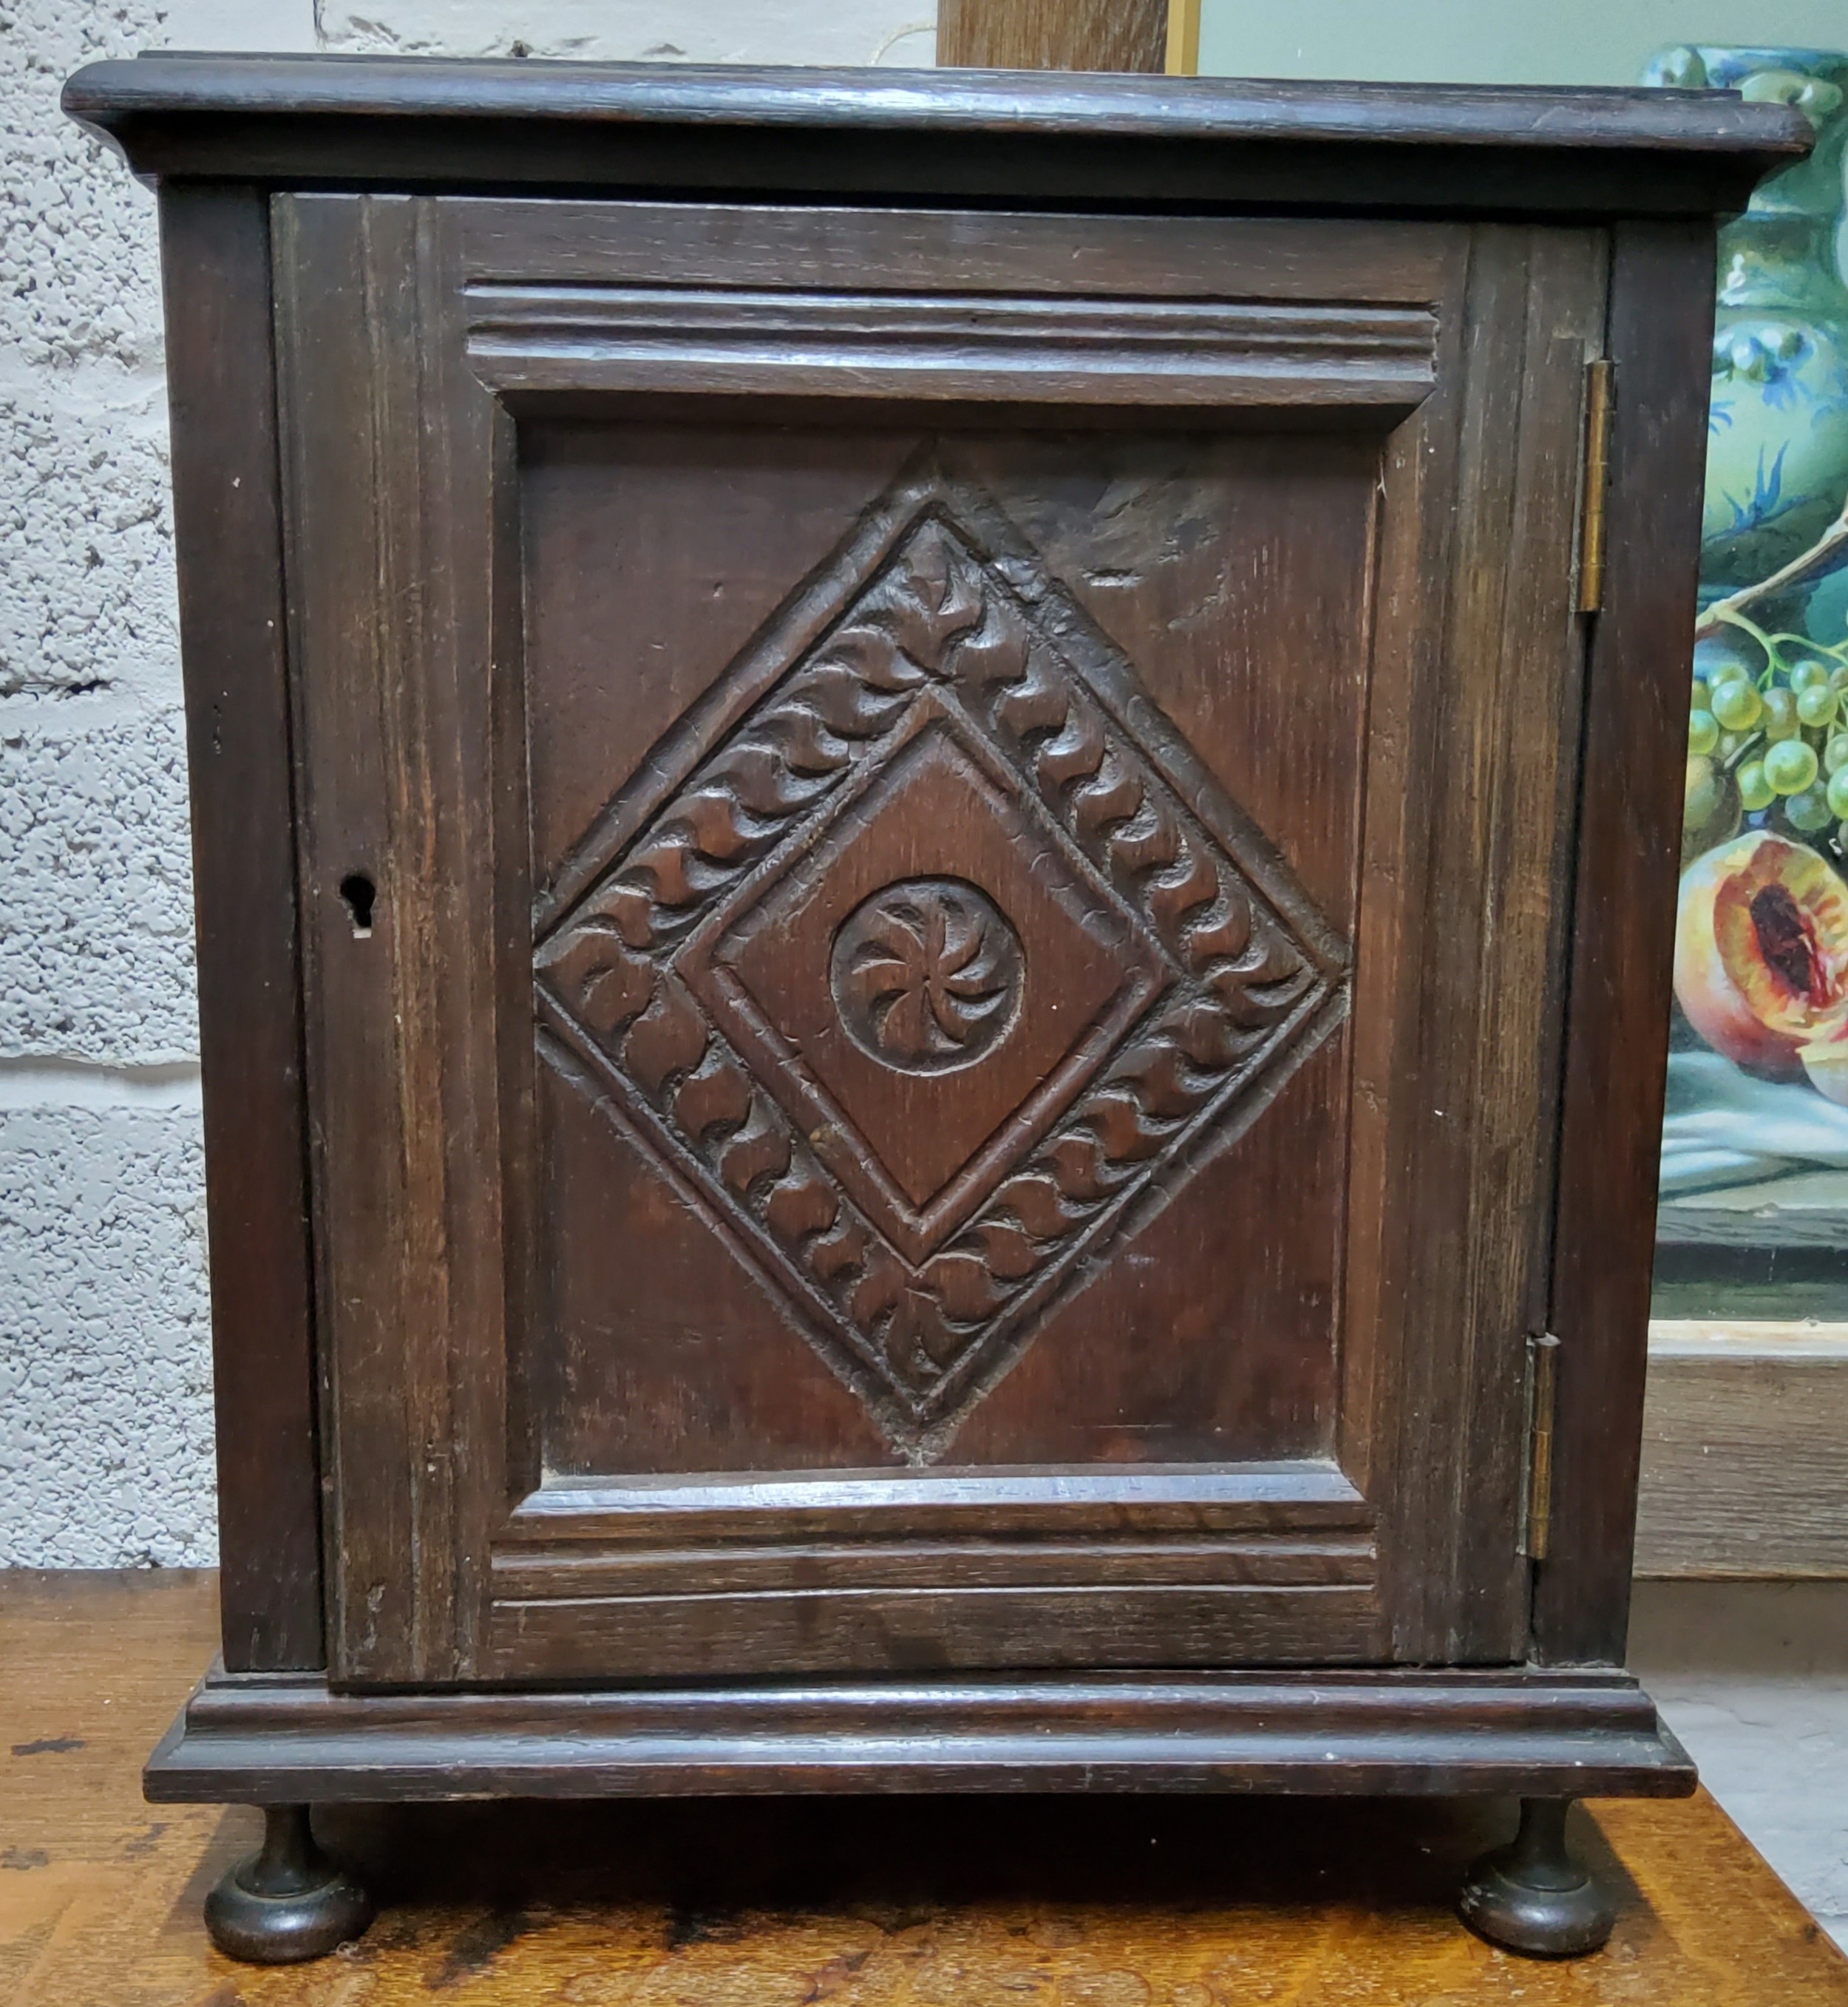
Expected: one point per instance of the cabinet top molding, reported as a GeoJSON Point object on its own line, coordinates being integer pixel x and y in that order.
{"type": "Point", "coordinates": [330, 122]}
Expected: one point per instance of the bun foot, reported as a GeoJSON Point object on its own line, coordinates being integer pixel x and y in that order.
{"type": "Point", "coordinates": [1532, 1896]}
{"type": "Point", "coordinates": [287, 1903]}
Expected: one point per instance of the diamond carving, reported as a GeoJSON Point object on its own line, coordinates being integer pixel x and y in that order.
{"type": "Point", "coordinates": [918, 1152]}
{"type": "Point", "coordinates": [808, 956]}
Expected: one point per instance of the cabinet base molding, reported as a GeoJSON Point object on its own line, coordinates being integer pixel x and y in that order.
{"type": "Point", "coordinates": [267, 1738]}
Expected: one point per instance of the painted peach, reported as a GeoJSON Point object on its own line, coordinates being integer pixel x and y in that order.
{"type": "Point", "coordinates": [1761, 951]}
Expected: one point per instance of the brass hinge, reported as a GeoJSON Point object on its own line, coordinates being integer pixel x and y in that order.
{"type": "Point", "coordinates": [1536, 1517]}
{"type": "Point", "coordinates": [1597, 474]}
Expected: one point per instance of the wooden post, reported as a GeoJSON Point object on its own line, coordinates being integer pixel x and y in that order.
{"type": "Point", "coordinates": [1059, 34]}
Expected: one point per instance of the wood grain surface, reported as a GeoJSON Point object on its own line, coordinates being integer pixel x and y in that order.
{"type": "Point", "coordinates": [1743, 1473]}
{"type": "Point", "coordinates": [1174, 1903]}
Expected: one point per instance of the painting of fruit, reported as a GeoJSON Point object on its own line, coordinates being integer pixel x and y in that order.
{"type": "Point", "coordinates": [1761, 952]}
{"type": "Point", "coordinates": [1755, 1158]}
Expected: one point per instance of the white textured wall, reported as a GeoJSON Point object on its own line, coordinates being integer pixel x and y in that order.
{"type": "Point", "coordinates": [1753, 1677]}
{"type": "Point", "coordinates": [104, 1424]}
{"type": "Point", "coordinates": [754, 31]}
{"type": "Point", "coordinates": [105, 1421]}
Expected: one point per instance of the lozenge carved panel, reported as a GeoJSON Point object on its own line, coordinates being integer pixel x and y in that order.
{"type": "Point", "coordinates": [925, 953]}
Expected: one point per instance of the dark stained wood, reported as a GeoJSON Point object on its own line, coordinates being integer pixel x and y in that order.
{"type": "Point", "coordinates": [866, 135]}
{"type": "Point", "coordinates": [1448, 1259]}
{"type": "Point", "coordinates": [419, 89]}
{"type": "Point", "coordinates": [1054, 34]}
{"type": "Point", "coordinates": [774, 1898]}
{"type": "Point", "coordinates": [1535, 1895]}
{"type": "Point", "coordinates": [1058, 1610]}
{"type": "Point", "coordinates": [350, 906]}
{"type": "Point", "coordinates": [1263, 509]}
{"type": "Point", "coordinates": [965, 982]}
{"type": "Point", "coordinates": [1617, 1004]}
{"type": "Point", "coordinates": [286, 1902]}
{"type": "Point", "coordinates": [609, 340]}
{"type": "Point", "coordinates": [1329, 1733]}
{"type": "Point", "coordinates": [937, 804]}
{"type": "Point", "coordinates": [395, 637]}
{"type": "Point", "coordinates": [1064, 710]}
{"type": "Point", "coordinates": [221, 390]}
{"type": "Point", "coordinates": [563, 256]}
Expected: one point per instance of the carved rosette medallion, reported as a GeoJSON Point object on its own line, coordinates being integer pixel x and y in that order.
{"type": "Point", "coordinates": [926, 975]}
{"type": "Point", "coordinates": [797, 957]}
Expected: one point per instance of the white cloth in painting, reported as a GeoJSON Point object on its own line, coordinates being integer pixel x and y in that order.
{"type": "Point", "coordinates": [1725, 1127]}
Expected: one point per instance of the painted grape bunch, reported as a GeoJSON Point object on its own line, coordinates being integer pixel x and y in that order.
{"type": "Point", "coordinates": [926, 975]}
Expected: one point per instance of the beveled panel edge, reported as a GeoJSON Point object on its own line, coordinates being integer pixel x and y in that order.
{"type": "Point", "coordinates": [1100, 351]}
{"type": "Point", "coordinates": [1140, 1497]}
{"type": "Point", "coordinates": [1309, 1557]}
{"type": "Point", "coordinates": [1072, 1612]}
{"type": "Point", "coordinates": [260, 1738]}
{"type": "Point", "coordinates": [863, 1573]}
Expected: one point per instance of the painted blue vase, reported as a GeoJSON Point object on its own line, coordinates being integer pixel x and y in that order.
{"type": "Point", "coordinates": [1777, 465]}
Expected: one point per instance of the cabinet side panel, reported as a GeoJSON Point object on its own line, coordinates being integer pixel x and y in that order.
{"type": "Point", "coordinates": [1661, 319]}
{"type": "Point", "coordinates": [221, 389]}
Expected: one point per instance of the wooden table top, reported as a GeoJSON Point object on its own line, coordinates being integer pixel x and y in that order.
{"type": "Point", "coordinates": [1111, 1902]}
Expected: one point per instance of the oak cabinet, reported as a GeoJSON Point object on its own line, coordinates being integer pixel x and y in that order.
{"type": "Point", "coordinates": [935, 825]}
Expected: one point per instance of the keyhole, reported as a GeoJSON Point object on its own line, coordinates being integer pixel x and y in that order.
{"type": "Point", "coordinates": [359, 892]}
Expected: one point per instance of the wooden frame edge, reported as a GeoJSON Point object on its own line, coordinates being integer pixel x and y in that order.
{"type": "Point", "coordinates": [1744, 1471]}
{"type": "Point", "coordinates": [1184, 38]}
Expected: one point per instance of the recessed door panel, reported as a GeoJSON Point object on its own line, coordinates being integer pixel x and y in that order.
{"type": "Point", "coordinates": [984, 962]}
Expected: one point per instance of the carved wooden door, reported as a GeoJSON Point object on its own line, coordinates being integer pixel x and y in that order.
{"type": "Point", "coordinates": [930, 847]}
